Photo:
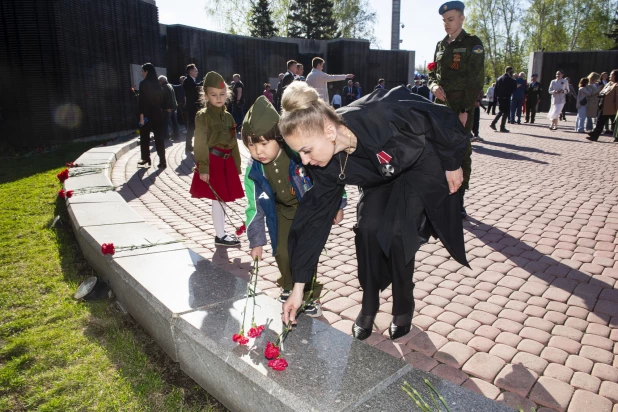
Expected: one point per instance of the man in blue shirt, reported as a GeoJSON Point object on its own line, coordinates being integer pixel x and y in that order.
{"type": "Point", "coordinates": [517, 100]}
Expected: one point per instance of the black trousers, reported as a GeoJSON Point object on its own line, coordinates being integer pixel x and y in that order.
{"type": "Point", "coordinates": [491, 106]}
{"type": "Point", "coordinates": [601, 120]}
{"type": "Point", "coordinates": [154, 125]}
{"type": "Point", "coordinates": [504, 108]}
{"type": "Point", "coordinates": [477, 121]}
{"type": "Point", "coordinates": [530, 111]}
{"type": "Point", "coordinates": [190, 118]}
{"type": "Point", "coordinates": [374, 267]}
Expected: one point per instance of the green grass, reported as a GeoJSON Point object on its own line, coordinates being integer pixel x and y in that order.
{"type": "Point", "coordinates": [57, 354]}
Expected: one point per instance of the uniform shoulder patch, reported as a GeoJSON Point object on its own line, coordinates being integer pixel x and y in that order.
{"type": "Point", "coordinates": [477, 49]}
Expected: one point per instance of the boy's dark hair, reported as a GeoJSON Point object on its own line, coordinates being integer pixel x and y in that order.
{"type": "Point", "coordinates": [190, 67]}
{"type": "Point", "coordinates": [381, 81]}
{"type": "Point", "coordinates": [316, 61]}
{"type": "Point", "coordinates": [272, 134]}
{"type": "Point", "coordinates": [291, 62]}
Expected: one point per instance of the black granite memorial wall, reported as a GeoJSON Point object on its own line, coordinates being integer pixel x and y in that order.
{"type": "Point", "coordinates": [64, 67]}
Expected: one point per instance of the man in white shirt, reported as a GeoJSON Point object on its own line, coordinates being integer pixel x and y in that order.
{"type": "Point", "coordinates": [318, 79]}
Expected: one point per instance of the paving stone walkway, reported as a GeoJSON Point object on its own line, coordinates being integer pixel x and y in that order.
{"type": "Point", "coordinates": [533, 323]}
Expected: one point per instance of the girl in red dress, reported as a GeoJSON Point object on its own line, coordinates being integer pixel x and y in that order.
{"type": "Point", "coordinates": [217, 156]}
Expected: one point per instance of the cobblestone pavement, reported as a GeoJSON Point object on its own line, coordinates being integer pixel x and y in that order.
{"type": "Point", "coordinates": [533, 323]}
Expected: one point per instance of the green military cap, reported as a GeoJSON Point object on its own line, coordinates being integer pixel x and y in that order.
{"type": "Point", "coordinates": [214, 79]}
{"type": "Point", "coordinates": [260, 118]}
{"type": "Point", "coordinates": [451, 5]}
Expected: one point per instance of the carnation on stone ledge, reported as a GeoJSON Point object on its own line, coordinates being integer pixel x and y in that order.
{"type": "Point", "coordinates": [65, 194]}
{"type": "Point", "coordinates": [255, 331]}
{"type": "Point", "coordinates": [108, 249]}
{"type": "Point", "coordinates": [272, 351]}
{"type": "Point", "coordinates": [240, 339]}
{"type": "Point", "coordinates": [64, 175]}
{"type": "Point", "coordinates": [278, 364]}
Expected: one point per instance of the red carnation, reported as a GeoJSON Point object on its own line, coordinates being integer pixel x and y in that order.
{"type": "Point", "coordinates": [71, 164]}
{"type": "Point", "coordinates": [62, 194]}
{"type": "Point", "coordinates": [431, 66]}
{"type": "Point", "coordinates": [256, 331]}
{"type": "Point", "coordinates": [241, 230]}
{"type": "Point", "coordinates": [64, 175]}
{"type": "Point", "coordinates": [69, 193]}
{"type": "Point", "coordinates": [240, 339]}
{"type": "Point", "coordinates": [108, 249]}
{"type": "Point", "coordinates": [271, 351]}
{"type": "Point", "coordinates": [278, 364]}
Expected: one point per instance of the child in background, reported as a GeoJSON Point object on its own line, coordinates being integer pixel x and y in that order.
{"type": "Point", "coordinates": [336, 100]}
{"type": "Point", "coordinates": [275, 182]}
{"type": "Point", "coordinates": [217, 157]}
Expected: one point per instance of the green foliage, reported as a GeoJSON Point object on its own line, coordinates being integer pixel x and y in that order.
{"type": "Point", "coordinates": [613, 33]}
{"type": "Point", "coordinates": [57, 354]}
{"type": "Point", "coordinates": [511, 29]}
{"type": "Point", "coordinates": [312, 19]}
{"type": "Point", "coordinates": [261, 21]}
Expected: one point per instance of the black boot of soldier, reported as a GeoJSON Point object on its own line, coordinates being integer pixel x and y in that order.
{"type": "Point", "coordinates": [464, 214]}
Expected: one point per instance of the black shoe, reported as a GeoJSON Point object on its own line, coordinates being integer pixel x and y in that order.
{"type": "Point", "coordinates": [143, 162]}
{"type": "Point", "coordinates": [227, 241]}
{"type": "Point", "coordinates": [492, 126]}
{"type": "Point", "coordinates": [464, 214]}
{"type": "Point", "coordinates": [616, 140]}
{"type": "Point", "coordinates": [162, 165]}
{"type": "Point", "coordinates": [592, 137]}
{"type": "Point", "coordinates": [360, 333]}
{"type": "Point", "coordinates": [519, 122]}
{"type": "Point", "coordinates": [313, 310]}
{"type": "Point", "coordinates": [395, 331]}
{"type": "Point", "coordinates": [526, 121]}
{"type": "Point", "coordinates": [504, 130]}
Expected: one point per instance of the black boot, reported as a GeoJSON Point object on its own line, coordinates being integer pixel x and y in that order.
{"type": "Point", "coordinates": [362, 328]}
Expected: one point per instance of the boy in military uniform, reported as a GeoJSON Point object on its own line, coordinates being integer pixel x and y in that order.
{"type": "Point", "coordinates": [275, 182]}
{"type": "Point", "coordinates": [458, 75]}
{"type": "Point", "coordinates": [533, 94]}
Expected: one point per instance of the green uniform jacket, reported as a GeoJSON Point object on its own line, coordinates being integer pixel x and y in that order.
{"type": "Point", "coordinates": [460, 70]}
{"type": "Point", "coordinates": [214, 127]}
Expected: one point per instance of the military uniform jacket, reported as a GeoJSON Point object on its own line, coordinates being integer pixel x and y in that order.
{"type": "Point", "coordinates": [533, 92]}
{"type": "Point", "coordinates": [407, 128]}
{"type": "Point", "coordinates": [460, 70]}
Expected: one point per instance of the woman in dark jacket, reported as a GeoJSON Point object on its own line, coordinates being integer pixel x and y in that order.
{"type": "Point", "coordinates": [405, 153]}
{"type": "Point", "coordinates": [151, 115]}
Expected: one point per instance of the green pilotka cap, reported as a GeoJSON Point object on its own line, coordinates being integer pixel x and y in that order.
{"type": "Point", "coordinates": [260, 118]}
{"type": "Point", "coordinates": [214, 79]}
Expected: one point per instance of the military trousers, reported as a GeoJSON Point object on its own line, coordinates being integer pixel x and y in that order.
{"type": "Point", "coordinates": [530, 111]}
{"type": "Point", "coordinates": [285, 281]}
{"type": "Point", "coordinates": [375, 269]}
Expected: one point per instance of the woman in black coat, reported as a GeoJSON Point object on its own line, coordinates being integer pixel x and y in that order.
{"type": "Point", "coordinates": [151, 115]}
{"type": "Point", "coordinates": [405, 153]}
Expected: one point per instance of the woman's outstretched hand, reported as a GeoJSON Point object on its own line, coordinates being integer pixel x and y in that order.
{"type": "Point", "coordinates": [293, 303]}
{"type": "Point", "coordinates": [454, 179]}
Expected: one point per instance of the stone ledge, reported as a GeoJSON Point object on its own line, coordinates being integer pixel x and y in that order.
{"type": "Point", "coordinates": [191, 307]}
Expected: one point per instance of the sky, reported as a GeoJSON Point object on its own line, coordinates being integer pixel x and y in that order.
{"type": "Point", "coordinates": [423, 24]}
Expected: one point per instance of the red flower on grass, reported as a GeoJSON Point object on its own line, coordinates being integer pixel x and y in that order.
{"type": "Point", "coordinates": [240, 339]}
{"type": "Point", "coordinates": [64, 175]}
{"type": "Point", "coordinates": [241, 230]}
{"type": "Point", "coordinates": [432, 66]}
{"type": "Point", "coordinates": [271, 351]}
{"type": "Point", "coordinates": [278, 364]}
{"type": "Point", "coordinates": [108, 249]}
{"type": "Point", "coordinates": [256, 331]}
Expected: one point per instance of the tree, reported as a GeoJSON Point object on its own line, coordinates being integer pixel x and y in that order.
{"type": "Point", "coordinates": [312, 19]}
{"type": "Point", "coordinates": [261, 20]}
{"type": "Point", "coordinates": [613, 34]}
{"type": "Point", "coordinates": [356, 19]}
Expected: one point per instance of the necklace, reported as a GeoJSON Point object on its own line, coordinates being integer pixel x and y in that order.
{"type": "Point", "coordinates": [342, 174]}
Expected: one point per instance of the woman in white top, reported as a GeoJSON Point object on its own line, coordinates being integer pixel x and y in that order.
{"type": "Point", "coordinates": [558, 89]}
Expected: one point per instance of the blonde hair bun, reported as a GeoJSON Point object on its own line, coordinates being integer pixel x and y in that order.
{"type": "Point", "coordinates": [298, 96]}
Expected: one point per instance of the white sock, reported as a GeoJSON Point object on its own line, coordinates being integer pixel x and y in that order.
{"type": "Point", "coordinates": [218, 219]}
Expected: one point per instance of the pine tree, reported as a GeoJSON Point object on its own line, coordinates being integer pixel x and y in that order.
{"type": "Point", "coordinates": [312, 19]}
{"type": "Point", "coordinates": [261, 20]}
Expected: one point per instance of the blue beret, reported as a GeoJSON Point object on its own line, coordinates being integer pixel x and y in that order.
{"type": "Point", "coordinates": [451, 5]}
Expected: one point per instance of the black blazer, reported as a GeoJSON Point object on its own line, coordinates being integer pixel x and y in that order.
{"type": "Point", "coordinates": [192, 94]}
{"type": "Point", "coordinates": [288, 78]}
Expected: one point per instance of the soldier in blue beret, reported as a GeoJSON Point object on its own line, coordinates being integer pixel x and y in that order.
{"type": "Point", "coordinates": [457, 75]}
